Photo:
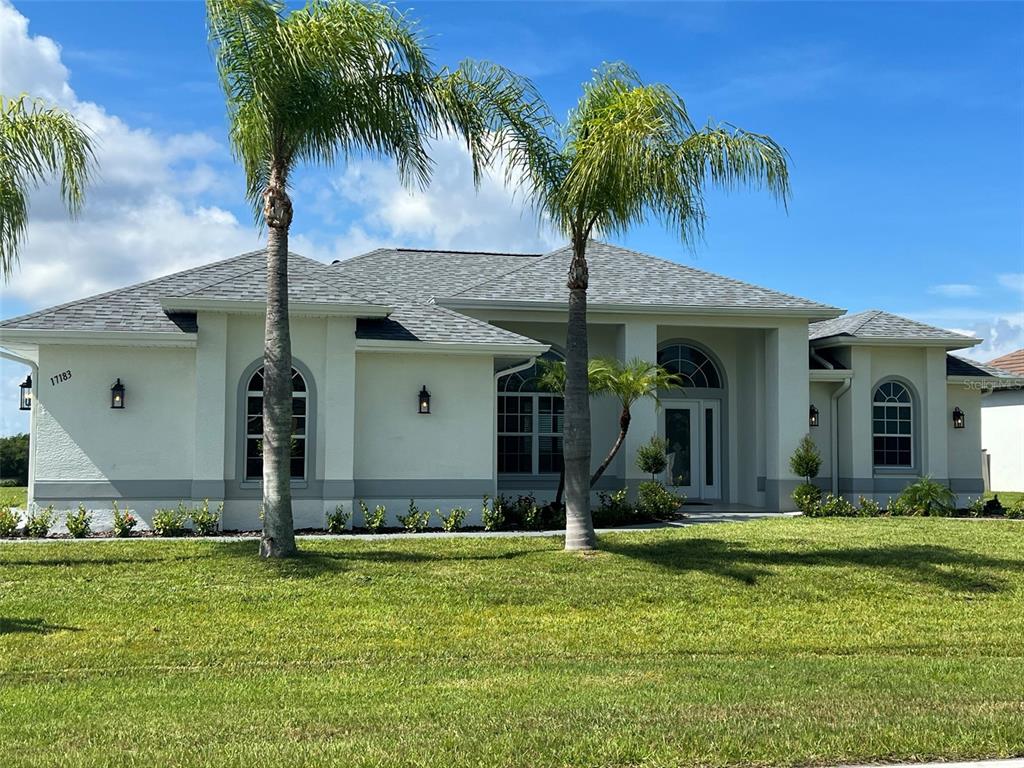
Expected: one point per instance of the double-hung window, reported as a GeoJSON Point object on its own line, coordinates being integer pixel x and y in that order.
{"type": "Point", "coordinates": [892, 426]}
{"type": "Point", "coordinates": [530, 423]}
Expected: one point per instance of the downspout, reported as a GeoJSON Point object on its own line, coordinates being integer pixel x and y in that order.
{"type": "Point", "coordinates": [34, 366]}
{"type": "Point", "coordinates": [825, 363]}
{"type": "Point", "coordinates": [494, 414]}
{"type": "Point", "coordinates": [834, 431]}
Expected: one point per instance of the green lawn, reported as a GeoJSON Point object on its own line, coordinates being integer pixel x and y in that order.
{"type": "Point", "coordinates": [13, 497]}
{"type": "Point", "coordinates": [1006, 498]}
{"type": "Point", "coordinates": [780, 642]}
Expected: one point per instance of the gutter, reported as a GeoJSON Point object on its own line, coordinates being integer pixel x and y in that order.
{"type": "Point", "coordinates": [834, 431]}
{"type": "Point", "coordinates": [34, 366]}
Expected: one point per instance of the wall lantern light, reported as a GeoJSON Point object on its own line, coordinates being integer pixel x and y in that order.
{"type": "Point", "coordinates": [814, 417]}
{"type": "Point", "coordinates": [26, 394]}
{"type": "Point", "coordinates": [424, 400]}
{"type": "Point", "coordinates": [117, 395]}
{"type": "Point", "coordinates": [959, 420]}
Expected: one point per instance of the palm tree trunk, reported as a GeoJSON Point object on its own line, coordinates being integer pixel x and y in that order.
{"type": "Point", "coordinates": [624, 418]}
{"type": "Point", "coordinates": [278, 529]}
{"type": "Point", "coordinates": [579, 527]}
{"type": "Point", "coordinates": [561, 481]}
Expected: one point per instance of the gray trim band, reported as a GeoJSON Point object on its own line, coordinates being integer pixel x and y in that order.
{"type": "Point", "coordinates": [80, 490]}
{"type": "Point", "coordinates": [549, 482]}
{"type": "Point", "coordinates": [896, 484]}
{"type": "Point", "coordinates": [423, 489]}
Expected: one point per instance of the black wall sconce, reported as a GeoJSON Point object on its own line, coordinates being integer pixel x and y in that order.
{"type": "Point", "coordinates": [424, 400]}
{"type": "Point", "coordinates": [814, 417]}
{"type": "Point", "coordinates": [959, 419]}
{"type": "Point", "coordinates": [117, 395]}
{"type": "Point", "coordinates": [25, 403]}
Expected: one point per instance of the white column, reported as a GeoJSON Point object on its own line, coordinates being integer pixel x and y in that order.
{"type": "Point", "coordinates": [936, 417]}
{"type": "Point", "coordinates": [639, 339]}
{"type": "Point", "coordinates": [211, 397]}
{"type": "Point", "coordinates": [786, 408]}
{"type": "Point", "coordinates": [336, 414]}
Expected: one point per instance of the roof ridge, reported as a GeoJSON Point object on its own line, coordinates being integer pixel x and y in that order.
{"type": "Point", "coordinates": [470, 253]}
{"type": "Point", "coordinates": [872, 314]}
{"type": "Point", "coordinates": [541, 258]}
{"type": "Point", "coordinates": [306, 261]}
{"type": "Point", "coordinates": [133, 287]}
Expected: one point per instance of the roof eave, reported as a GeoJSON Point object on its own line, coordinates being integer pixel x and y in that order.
{"type": "Point", "coordinates": [827, 342]}
{"type": "Point", "coordinates": [836, 374]}
{"type": "Point", "coordinates": [811, 313]}
{"type": "Point", "coordinates": [193, 304]}
{"type": "Point", "coordinates": [527, 349]}
{"type": "Point", "coordinates": [39, 336]}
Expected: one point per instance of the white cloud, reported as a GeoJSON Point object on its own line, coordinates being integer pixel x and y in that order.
{"type": "Point", "coordinates": [1013, 281]}
{"type": "Point", "coordinates": [954, 290]}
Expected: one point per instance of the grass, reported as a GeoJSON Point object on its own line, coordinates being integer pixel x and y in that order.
{"type": "Point", "coordinates": [1006, 498]}
{"type": "Point", "coordinates": [782, 642]}
{"type": "Point", "coordinates": [13, 497]}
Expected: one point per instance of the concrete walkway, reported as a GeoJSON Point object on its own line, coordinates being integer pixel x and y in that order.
{"type": "Point", "coordinates": [692, 518]}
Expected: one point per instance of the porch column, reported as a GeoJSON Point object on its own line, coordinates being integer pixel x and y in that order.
{"type": "Point", "coordinates": [211, 403]}
{"type": "Point", "coordinates": [936, 417]}
{"type": "Point", "coordinates": [639, 339]}
{"type": "Point", "coordinates": [787, 402]}
{"type": "Point", "coordinates": [336, 417]}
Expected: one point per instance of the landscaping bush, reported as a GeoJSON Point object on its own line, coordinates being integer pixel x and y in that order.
{"type": "Point", "coordinates": [79, 522]}
{"type": "Point", "coordinates": [124, 521]}
{"type": "Point", "coordinates": [8, 522]}
{"type": "Point", "coordinates": [806, 459]}
{"type": "Point", "coordinates": [614, 509]}
{"type": "Point", "coordinates": [38, 522]}
{"type": "Point", "coordinates": [656, 502]}
{"type": "Point", "coordinates": [806, 497]}
{"type": "Point", "coordinates": [170, 522]}
{"type": "Point", "coordinates": [492, 514]}
{"type": "Point", "coordinates": [976, 507]}
{"type": "Point", "coordinates": [1016, 510]}
{"type": "Point", "coordinates": [833, 506]}
{"type": "Point", "coordinates": [205, 522]}
{"type": "Point", "coordinates": [652, 456]}
{"type": "Point", "coordinates": [373, 521]}
{"type": "Point", "coordinates": [337, 521]}
{"type": "Point", "coordinates": [414, 520]}
{"type": "Point", "coordinates": [868, 507]}
{"type": "Point", "coordinates": [926, 498]}
{"type": "Point", "coordinates": [453, 520]}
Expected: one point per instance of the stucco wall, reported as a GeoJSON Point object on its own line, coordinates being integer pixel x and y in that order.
{"type": "Point", "coordinates": [1002, 435]}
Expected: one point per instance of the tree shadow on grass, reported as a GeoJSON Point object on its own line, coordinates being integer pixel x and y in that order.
{"type": "Point", "coordinates": [11, 626]}
{"type": "Point", "coordinates": [951, 569]}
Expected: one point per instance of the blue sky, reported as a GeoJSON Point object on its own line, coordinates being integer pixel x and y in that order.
{"type": "Point", "coordinates": [904, 123]}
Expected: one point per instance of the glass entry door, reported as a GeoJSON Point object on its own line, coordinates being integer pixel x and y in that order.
{"type": "Point", "coordinates": [692, 434]}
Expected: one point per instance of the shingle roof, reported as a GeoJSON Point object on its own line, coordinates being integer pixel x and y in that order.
{"type": "Point", "coordinates": [1013, 362]}
{"type": "Point", "coordinates": [961, 366]}
{"type": "Point", "coordinates": [876, 324]}
{"type": "Point", "coordinates": [622, 277]}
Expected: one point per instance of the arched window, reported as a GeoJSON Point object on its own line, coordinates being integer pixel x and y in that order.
{"type": "Point", "coordinates": [893, 425]}
{"type": "Point", "coordinates": [694, 367]}
{"type": "Point", "coordinates": [254, 427]}
{"type": "Point", "coordinates": [529, 422]}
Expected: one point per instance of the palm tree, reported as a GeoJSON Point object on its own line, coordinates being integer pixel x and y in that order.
{"type": "Point", "coordinates": [37, 143]}
{"type": "Point", "coordinates": [627, 153]}
{"type": "Point", "coordinates": [628, 382]}
{"type": "Point", "coordinates": [333, 79]}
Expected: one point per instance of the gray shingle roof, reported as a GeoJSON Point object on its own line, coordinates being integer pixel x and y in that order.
{"type": "Point", "coordinates": [876, 324]}
{"type": "Point", "coordinates": [622, 276]}
{"type": "Point", "coordinates": [962, 366]}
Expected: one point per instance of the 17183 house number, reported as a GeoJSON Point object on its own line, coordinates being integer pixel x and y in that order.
{"type": "Point", "coordinates": [60, 378]}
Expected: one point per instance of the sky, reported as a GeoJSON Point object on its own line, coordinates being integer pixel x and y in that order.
{"type": "Point", "coordinates": [904, 124]}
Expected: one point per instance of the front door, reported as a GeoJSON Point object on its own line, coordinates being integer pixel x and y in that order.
{"type": "Point", "coordinates": [692, 434]}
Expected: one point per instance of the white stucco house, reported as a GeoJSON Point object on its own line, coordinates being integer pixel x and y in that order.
{"type": "Point", "coordinates": [371, 334]}
{"type": "Point", "coordinates": [1002, 424]}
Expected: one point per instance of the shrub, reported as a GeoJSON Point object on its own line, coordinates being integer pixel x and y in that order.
{"type": "Point", "coordinates": [994, 506]}
{"type": "Point", "coordinates": [8, 522]}
{"type": "Point", "coordinates": [373, 521]}
{"type": "Point", "coordinates": [170, 522]}
{"type": "Point", "coordinates": [204, 521]}
{"type": "Point", "coordinates": [124, 521]}
{"type": "Point", "coordinates": [833, 506]}
{"type": "Point", "coordinates": [520, 513]}
{"type": "Point", "coordinates": [492, 514]}
{"type": "Point", "coordinates": [926, 497]}
{"type": "Point", "coordinates": [655, 501]}
{"type": "Point", "coordinates": [614, 509]}
{"type": "Point", "coordinates": [14, 460]}
{"type": "Point", "coordinates": [79, 522]}
{"type": "Point", "coordinates": [868, 507]}
{"type": "Point", "coordinates": [337, 521]}
{"type": "Point", "coordinates": [414, 520]}
{"type": "Point", "coordinates": [38, 522]}
{"type": "Point", "coordinates": [806, 459]}
{"type": "Point", "coordinates": [652, 456]}
{"type": "Point", "coordinates": [10, 482]}
{"type": "Point", "coordinates": [1016, 510]}
{"type": "Point", "coordinates": [806, 497]}
{"type": "Point", "coordinates": [976, 507]}
{"type": "Point", "coordinates": [453, 520]}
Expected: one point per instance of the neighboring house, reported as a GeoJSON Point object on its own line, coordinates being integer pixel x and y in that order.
{"type": "Point", "coordinates": [1002, 425]}
{"type": "Point", "coordinates": [373, 334]}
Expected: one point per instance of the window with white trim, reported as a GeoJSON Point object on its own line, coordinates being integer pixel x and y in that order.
{"type": "Point", "coordinates": [529, 423]}
{"type": "Point", "coordinates": [254, 427]}
{"type": "Point", "coordinates": [892, 426]}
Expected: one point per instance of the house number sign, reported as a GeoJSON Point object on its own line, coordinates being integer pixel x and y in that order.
{"type": "Point", "coordinates": [60, 378]}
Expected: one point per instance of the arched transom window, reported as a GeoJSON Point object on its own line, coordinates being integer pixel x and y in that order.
{"type": "Point", "coordinates": [254, 426]}
{"type": "Point", "coordinates": [893, 425]}
{"type": "Point", "coordinates": [694, 367]}
{"type": "Point", "coordinates": [529, 422]}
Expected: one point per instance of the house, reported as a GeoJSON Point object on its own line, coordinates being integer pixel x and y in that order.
{"type": "Point", "coordinates": [415, 377]}
{"type": "Point", "coordinates": [1002, 424]}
